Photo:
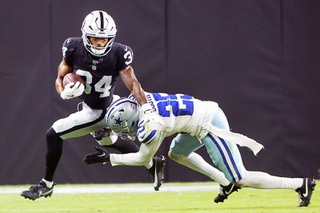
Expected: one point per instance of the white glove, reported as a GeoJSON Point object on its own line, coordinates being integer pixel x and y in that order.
{"type": "Point", "coordinates": [72, 90]}
{"type": "Point", "coordinates": [146, 133]}
{"type": "Point", "coordinates": [149, 125]}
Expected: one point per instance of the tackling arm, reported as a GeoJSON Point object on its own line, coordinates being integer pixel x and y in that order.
{"type": "Point", "coordinates": [147, 115]}
{"type": "Point", "coordinates": [142, 157]}
{"type": "Point", "coordinates": [129, 79]}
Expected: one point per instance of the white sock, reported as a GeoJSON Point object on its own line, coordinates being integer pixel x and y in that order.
{"type": "Point", "coordinates": [195, 162]}
{"type": "Point", "coordinates": [48, 183]}
{"type": "Point", "coordinates": [263, 180]}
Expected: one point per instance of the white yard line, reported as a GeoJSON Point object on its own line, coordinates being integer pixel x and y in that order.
{"type": "Point", "coordinates": [115, 189]}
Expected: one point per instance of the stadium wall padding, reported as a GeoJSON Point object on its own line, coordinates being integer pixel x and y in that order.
{"type": "Point", "coordinates": [258, 59]}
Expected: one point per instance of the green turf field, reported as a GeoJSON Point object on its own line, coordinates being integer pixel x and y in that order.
{"type": "Point", "coordinates": [174, 197]}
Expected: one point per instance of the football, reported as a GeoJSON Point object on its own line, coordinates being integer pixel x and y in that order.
{"type": "Point", "coordinates": [72, 77]}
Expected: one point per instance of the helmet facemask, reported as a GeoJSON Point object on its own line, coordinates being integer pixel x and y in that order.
{"type": "Point", "coordinates": [98, 24]}
{"type": "Point", "coordinates": [126, 135]}
{"type": "Point", "coordinates": [98, 51]}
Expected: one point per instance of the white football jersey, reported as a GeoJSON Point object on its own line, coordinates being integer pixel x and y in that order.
{"type": "Point", "coordinates": [182, 113]}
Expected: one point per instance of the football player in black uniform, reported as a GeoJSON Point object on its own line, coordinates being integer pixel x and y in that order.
{"type": "Point", "coordinates": [99, 61]}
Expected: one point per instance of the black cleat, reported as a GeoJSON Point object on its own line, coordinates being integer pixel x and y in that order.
{"type": "Point", "coordinates": [157, 171]}
{"type": "Point", "coordinates": [305, 191]}
{"type": "Point", "coordinates": [37, 191]}
{"type": "Point", "coordinates": [225, 191]}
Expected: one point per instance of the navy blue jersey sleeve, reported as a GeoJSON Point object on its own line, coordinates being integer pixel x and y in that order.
{"type": "Point", "coordinates": [125, 57]}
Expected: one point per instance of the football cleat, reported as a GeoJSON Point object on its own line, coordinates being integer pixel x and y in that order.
{"type": "Point", "coordinates": [157, 171]}
{"type": "Point", "coordinates": [225, 191]}
{"type": "Point", "coordinates": [37, 191]}
{"type": "Point", "coordinates": [305, 191]}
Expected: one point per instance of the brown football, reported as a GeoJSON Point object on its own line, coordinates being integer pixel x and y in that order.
{"type": "Point", "coordinates": [72, 77]}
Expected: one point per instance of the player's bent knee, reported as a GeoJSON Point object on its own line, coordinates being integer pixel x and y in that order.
{"type": "Point", "coordinates": [171, 155]}
{"type": "Point", "coordinates": [51, 135]}
{"type": "Point", "coordinates": [174, 156]}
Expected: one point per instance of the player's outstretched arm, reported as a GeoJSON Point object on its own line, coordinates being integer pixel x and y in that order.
{"type": "Point", "coordinates": [100, 156]}
{"type": "Point", "coordinates": [131, 82]}
{"type": "Point", "coordinates": [129, 79]}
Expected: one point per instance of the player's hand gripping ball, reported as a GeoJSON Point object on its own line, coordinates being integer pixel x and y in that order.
{"type": "Point", "coordinates": [73, 86]}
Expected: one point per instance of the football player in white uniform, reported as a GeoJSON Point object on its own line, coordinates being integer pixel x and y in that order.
{"type": "Point", "coordinates": [99, 61]}
{"type": "Point", "coordinates": [198, 123]}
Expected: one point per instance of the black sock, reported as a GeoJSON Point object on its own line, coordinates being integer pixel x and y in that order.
{"type": "Point", "coordinates": [54, 152]}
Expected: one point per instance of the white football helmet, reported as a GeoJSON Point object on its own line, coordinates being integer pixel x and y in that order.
{"type": "Point", "coordinates": [122, 118]}
{"type": "Point", "coordinates": [98, 24]}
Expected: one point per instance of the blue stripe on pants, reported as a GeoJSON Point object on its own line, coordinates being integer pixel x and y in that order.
{"type": "Point", "coordinates": [227, 157]}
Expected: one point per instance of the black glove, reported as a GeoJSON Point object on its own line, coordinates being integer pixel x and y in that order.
{"type": "Point", "coordinates": [101, 156]}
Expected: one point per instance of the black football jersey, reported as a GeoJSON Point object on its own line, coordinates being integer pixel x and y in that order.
{"type": "Point", "coordinates": [100, 73]}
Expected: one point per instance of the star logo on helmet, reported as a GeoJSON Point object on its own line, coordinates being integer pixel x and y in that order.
{"type": "Point", "coordinates": [118, 121]}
